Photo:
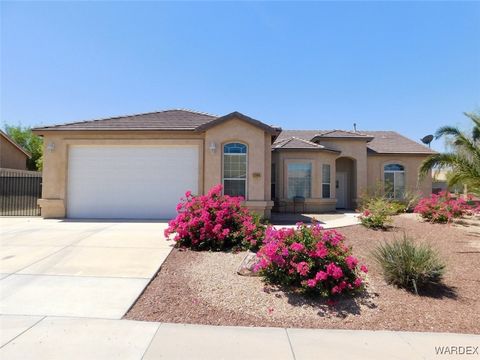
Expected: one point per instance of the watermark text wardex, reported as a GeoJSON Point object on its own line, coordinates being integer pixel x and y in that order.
{"type": "Point", "coordinates": [456, 350]}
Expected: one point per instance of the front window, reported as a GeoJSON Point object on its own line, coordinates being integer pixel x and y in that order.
{"type": "Point", "coordinates": [326, 181]}
{"type": "Point", "coordinates": [235, 169]}
{"type": "Point", "coordinates": [299, 180]}
{"type": "Point", "coordinates": [394, 181]}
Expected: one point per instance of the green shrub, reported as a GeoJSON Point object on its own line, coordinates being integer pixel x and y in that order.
{"type": "Point", "coordinates": [377, 213]}
{"type": "Point", "coordinates": [397, 207]}
{"type": "Point", "coordinates": [409, 265]}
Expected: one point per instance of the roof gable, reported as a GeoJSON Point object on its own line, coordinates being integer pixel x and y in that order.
{"type": "Point", "coordinates": [237, 115]}
{"type": "Point", "coordinates": [11, 141]}
{"type": "Point", "coordinates": [379, 142]}
{"type": "Point", "coordinates": [300, 144]}
{"type": "Point", "coordinates": [342, 134]}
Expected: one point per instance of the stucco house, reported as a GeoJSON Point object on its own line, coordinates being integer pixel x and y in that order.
{"type": "Point", "coordinates": [12, 155]}
{"type": "Point", "coordinates": [138, 166]}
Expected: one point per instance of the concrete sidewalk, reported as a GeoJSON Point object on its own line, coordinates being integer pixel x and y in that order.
{"type": "Point", "coordinates": [25, 337]}
{"type": "Point", "coordinates": [327, 221]}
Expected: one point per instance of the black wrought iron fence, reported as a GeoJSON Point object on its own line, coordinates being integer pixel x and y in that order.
{"type": "Point", "coordinates": [19, 192]}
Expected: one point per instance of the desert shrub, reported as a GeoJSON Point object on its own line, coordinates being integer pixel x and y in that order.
{"type": "Point", "coordinates": [397, 207]}
{"type": "Point", "coordinates": [442, 208]}
{"type": "Point", "coordinates": [409, 265]}
{"type": "Point", "coordinates": [310, 259]}
{"type": "Point", "coordinates": [406, 203]}
{"type": "Point", "coordinates": [409, 200]}
{"type": "Point", "coordinates": [215, 222]}
{"type": "Point", "coordinates": [377, 213]}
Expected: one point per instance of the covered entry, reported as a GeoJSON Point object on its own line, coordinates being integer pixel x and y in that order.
{"type": "Point", "coordinates": [345, 180]}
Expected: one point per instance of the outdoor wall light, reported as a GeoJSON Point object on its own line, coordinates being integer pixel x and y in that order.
{"type": "Point", "coordinates": [51, 147]}
{"type": "Point", "coordinates": [213, 147]}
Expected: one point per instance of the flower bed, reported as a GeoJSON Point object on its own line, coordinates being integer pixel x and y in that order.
{"type": "Point", "coordinates": [204, 288]}
{"type": "Point", "coordinates": [442, 208]}
{"type": "Point", "coordinates": [311, 259]}
{"type": "Point", "coordinates": [215, 222]}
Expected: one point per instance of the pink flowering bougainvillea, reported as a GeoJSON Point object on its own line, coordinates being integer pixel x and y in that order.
{"type": "Point", "coordinates": [215, 222]}
{"type": "Point", "coordinates": [310, 258]}
{"type": "Point", "coordinates": [443, 208]}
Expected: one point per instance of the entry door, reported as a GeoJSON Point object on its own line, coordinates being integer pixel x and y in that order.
{"type": "Point", "coordinates": [341, 190]}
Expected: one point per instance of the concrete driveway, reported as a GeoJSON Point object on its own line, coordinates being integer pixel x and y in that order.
{"type": "Point", "coordinates": [86, 268]}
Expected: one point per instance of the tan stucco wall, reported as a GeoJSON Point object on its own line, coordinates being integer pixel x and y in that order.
{"type": "Point", "coordinates": [317, 158]}
{"type": "Point", "coordinates": [356, 150]}
{"type": "Point", "coordinates": [258, 142]}
{"type": "Point", "coordinates": [411, 163]}
{"type": "Point", "coordinates": [369, 170]}
{"type": "Point", "coordinates": [10, 156]}
{"type": "Point", "coordinates": [364, 173]}
{"type": "Point", "coordinates": [55, 164]}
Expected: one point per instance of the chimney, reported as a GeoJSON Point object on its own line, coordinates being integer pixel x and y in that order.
{"type": "Point", "coordinates": [355, 127]}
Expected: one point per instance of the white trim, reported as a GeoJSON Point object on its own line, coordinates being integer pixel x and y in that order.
{"type": "Point", "coordinates": [246, 166]}
{"type": "Point", "coordinates": [329, 181]}
{"type": "Point", "coordinates": [394, 177]}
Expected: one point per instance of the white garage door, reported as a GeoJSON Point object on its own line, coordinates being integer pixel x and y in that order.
{"type": "Point", "coordinates": [129, 182]}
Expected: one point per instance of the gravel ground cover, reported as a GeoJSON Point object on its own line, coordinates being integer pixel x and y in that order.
{"type": "Point", "coordinates": [204, 288]}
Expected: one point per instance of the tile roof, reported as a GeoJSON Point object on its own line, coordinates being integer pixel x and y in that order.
{"type": "Point", "coordinates": [297, 143]}
{"type": "Point", "coordinates": [391, 142]}
{"type": "Point", "coordinates": [384, 142]}
{"type": "Point", "coordinates": [381, 142]}
{"type": "Point", "coordinates": [301, 134]}
{"type": "Point", "coordinates": [342, 134]}
{"type": "Point", "coordinates": [177, 119]}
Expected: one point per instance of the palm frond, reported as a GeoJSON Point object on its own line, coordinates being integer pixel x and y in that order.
{"type": "Point", "coordinates": [439, 161]}
{"type": "Point", "coordinates": [475, 117]}
{"type": "Point", "coordinates": [464, 161]}
{"type": "Point", "coordinates": [447, 130]}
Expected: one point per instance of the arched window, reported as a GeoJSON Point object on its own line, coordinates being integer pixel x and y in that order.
{"type": "Point", "coordinates": [394, 181]}
{"type": "Point", "coordinates": [235, 169]}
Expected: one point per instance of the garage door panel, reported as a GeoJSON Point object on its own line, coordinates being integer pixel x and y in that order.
{"type": "Point", "coordinates": [129, 181]}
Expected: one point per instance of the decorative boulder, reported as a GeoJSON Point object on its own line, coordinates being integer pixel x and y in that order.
{"type": "Point", "coordinates": [247, 264]}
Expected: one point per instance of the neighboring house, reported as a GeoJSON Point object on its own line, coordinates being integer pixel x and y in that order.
{"type": "Point", "coordinates": [440, 182]}
{"type": "Point", "coordinates": [12, 155]}
{"type": "Point", "coordinates": [138, 166]}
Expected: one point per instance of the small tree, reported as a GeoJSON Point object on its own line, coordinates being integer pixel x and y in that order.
{"type": "Point", "coordinates": [464, 160]}
{"type": "Point", "coordinates": [32, 143]}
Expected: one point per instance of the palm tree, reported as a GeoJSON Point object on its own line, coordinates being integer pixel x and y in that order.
{"type": "Point", "coordinates": [463, 160]}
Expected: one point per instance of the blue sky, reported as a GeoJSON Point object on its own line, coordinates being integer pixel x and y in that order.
{"type": "Point", "coordinates": [403, 66]}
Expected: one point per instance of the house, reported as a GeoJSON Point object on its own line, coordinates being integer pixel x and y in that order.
{"type": "Point", "coordinates": [12, 155]}
{"type": "Point", "coordinates": [138, 166]}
